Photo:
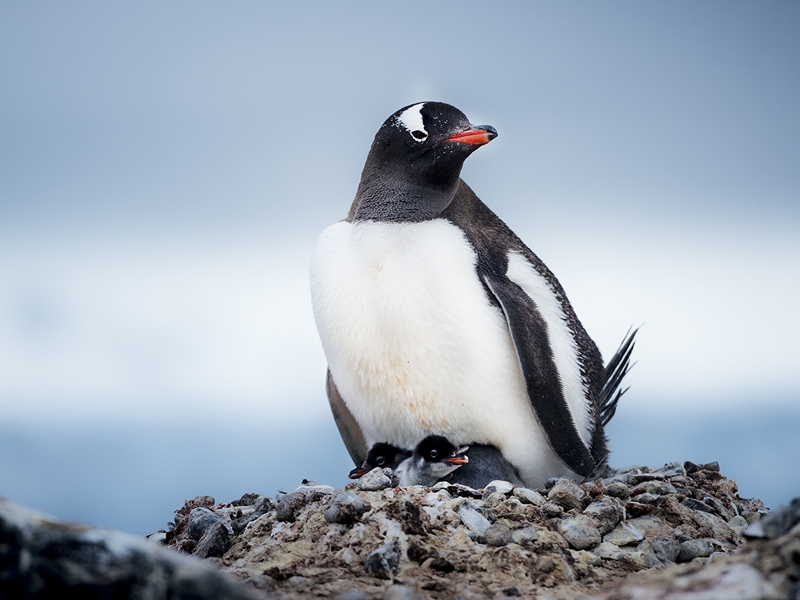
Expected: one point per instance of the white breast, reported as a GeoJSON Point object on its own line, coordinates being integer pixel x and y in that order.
{"type": "Point", "coordinates": [414, 345]}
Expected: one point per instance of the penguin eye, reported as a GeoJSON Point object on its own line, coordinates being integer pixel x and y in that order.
{"type": "Point", "coordinates": [434, 454]}
{"type": "Point", "coordinates": [381, 461]}
{"type": "Point", "coordinates": [419, 135]}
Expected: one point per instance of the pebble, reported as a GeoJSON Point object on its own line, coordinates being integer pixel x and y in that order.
{"type": "Point", "coordinates": [497, 535]}
{"type": "Point", "coordinates": [473, 520]}
{"type": "Point", "coordinates": [200, 521]}
{"type": "Point", "coordinates": [696, 505]}
{"type": "Point", "coordinates": [657, 488]}
{"type": "Point", "coordinates": [526, 535]}
{"type": "Point", "coordinates": [567, 493]}
{"type": "Point", "coordinates": [691, 549]}
{"type": "Point", "coordinates": [635, 479]}
{"type": "Point", "coordinates": [623, 535]}
{"type": "Point", "coordinates": [384, 562]}
{"type": "Point", "coordinates": [503, 487]}
{"type": "Point", "coordinates": [647, 499]}
{"type": "Point", "coordinates": [718, 507]}
{"type": "Point", "coordinates": [607, 550]}
{"type": "Point", "coordinates": [374, 481]}
{"type": "Point", "coordinates": [404, 592]}
{"type": "Point", "coordinates": [666, 548]}
{"type": "Point", "coordinates": [738, 524]}
{"type": "Point", "coordinates": [346, 508]}
{"type": "Point", "coordinates": [529, 496]}
{"type": "Point", "coordinates": [618, 489]}
{"type": "Point", "coordinates": [215, 541]}
{"type": "Point", "coordinates": [289, 505]}
{"type": "Point", "coordinates": [580, 532]}
{"type": "Point", "coordinates": [606, 514]}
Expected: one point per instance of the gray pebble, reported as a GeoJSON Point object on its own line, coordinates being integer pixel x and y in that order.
{"type": "Point", "coordinates": [552, 510]}
{"type": "Point", "coordinates": [691, 549]}
{"type": "Point", "coordinates": [696, 505]}
{"type": "Point", "coordinates": [623, 535]}
{"type": "Point", "coordinates": [567, 493]}
{"type": "Point", "coordinates": [384, 562]}
{"type": "Point", "coordinates": [607, 550]}
{"type": "Point", "coordinates": [718, 507]}
{"type": "Point", "coordinates": [504, 487]}
{"type": "Point", "coordinates": [200, 520]}
{"type": "Point", "coordinates": [618, 489]}
{"type": "Point", "coordinates": [289, 505]}
{"type": "Point", "coordinates": [528, 496]}
{"type": "Point", "coordinates": [635, 479]}
{"type": "Point", "coordinates": [648, 499]}
{"type": "Point", "coordinates": [738, 523]}
{"type": "Point", "coordinates": [526, 535]}
{"type": "Point", "coordinates": [215, 541]}
{"type": "Point", "coordinates": [580, 532]}
{"type": "Point", "coordinates": [498, 535]}
{"type": "Point", "coordinates": [473, 520]}
{"type": "Point", "coordinates": [666, 548]}
{"type": "Point", "coordinates": [606, 514]}
{"type": "Point", "coordinates": [374, 480]}
{"type": "Point", "coordinates": [346, 508]}
{"type": "Point", "coordinates": [657, 488]}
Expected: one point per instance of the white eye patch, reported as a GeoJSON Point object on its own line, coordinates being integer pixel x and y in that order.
{"type": "Point", "coordinates": [411, 119]}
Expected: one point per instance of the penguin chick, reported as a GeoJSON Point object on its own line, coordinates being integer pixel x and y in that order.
{"type": "Point", "coordinates": [381, 455]}
{"type": "Point", "coordinates": [433, 459]}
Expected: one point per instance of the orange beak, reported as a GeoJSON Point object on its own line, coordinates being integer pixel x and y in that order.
{"type": "Point", "coordinates": [477, 136]}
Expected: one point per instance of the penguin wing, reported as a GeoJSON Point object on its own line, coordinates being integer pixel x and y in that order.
{"type": "Point", "coordinates": [529, 334]}
{"type": "Point", "coordinates": [351, 433]}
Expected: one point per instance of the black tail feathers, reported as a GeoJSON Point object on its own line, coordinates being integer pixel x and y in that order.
{"type": "Point", "coordinates": [615, 372]}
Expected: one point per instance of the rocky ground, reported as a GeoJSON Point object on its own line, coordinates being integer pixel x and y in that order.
{"type": "Point", "coordinates": [671, 531]}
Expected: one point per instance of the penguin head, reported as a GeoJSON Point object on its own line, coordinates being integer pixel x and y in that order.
{"type": "Point", "coordinates": [434, 459]}
{"type": "Point", "coordinates": [380, 455]}
{"type": "Point", "coordinates": [415, 162]}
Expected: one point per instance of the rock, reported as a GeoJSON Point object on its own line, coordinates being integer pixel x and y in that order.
{"type": "Point", "coordinates": [607, 550]}
{"type": "Point", "coordinates": [567, 493]}
{"type": "Point", "coordinates": [200, 521]}
{"type": "Point", "coordinates": [656, 488]}
{"type": "Point", "coordinates": [215, 541]}
{"type": "Point", "coordinates": [697, 505]}
{"type": "Point", "coordinates": [313, 490]}
{"type": "Point", "coordinates": [637, 478]}
{"type": "Point", "coordinates": [528, 496]}
{"type": "Point", "coordinates": [691, 549]}
{"type": "Point", "coordinates": [552, 510]}
{"type": "Point", "coordinates": [45, 558]}
{"type": "Point", "coordinates": [503, 487]}
{"type": "Point", "coordinates": [384, 562]}
{"type": "Point", "coordinates": [473, 520]}
{"type": "Point", "coordinates": [524, 536]}
{"type": "Point", "coordinates": [666, 548]}
{"type": "Point", "coordinates": [374, 480]}
{"type": "Point", "coordinates": [497, 535]}
{"type": "Point", "coordinates": [403, 592]}
{"type": "Point", "coordinates": [738, 524]}
{"type": "Point", "coordinates": [580, 532]}
{"type": "Point", "coordinates": [606, 513]}
{"type": "Point", "coordinates": [289, 505]}
{"type": "Point", "coordinates": [623, 535]}
{"type": "Point", "coordinates": [346, 508]}
{"type": "Point", "coordinates": [618, 489]}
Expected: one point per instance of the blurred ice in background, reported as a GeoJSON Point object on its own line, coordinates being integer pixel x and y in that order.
{"type": "Point", "coordinates": [166, 168]}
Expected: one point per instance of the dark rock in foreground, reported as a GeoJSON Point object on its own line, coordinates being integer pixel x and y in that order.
{"type": "Point", "coordinates": [41, 557]}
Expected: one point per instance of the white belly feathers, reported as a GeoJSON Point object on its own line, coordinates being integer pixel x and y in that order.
{"type": "Point", "coordinates": [414, 346]}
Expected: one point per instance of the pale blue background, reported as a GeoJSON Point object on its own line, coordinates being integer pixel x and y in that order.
{"type": "Point", "coordinates": [166, 167]}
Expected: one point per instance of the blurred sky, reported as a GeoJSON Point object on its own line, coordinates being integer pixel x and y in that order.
{"type": "Point", "coordinates": [165, 169]}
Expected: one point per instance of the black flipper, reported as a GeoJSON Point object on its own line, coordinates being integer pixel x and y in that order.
{"type": "Point", "coordinates": [529, 334]}
{"type": "Point", "coordinates": [351, 433]}
{"type": "Point", "coordinates": [615, 371]}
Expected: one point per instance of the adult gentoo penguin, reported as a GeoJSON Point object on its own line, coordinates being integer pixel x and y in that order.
{"type": "Point", "coordinates": [436, 319]}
